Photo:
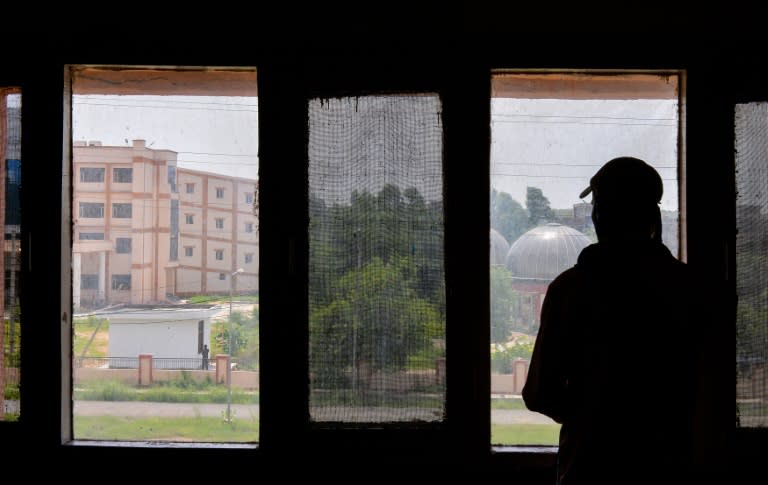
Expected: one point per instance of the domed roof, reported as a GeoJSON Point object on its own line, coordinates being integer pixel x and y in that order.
{"type": "Point", "coordinates": [499, 247]}
{"type": "Point", "coordinates": [545, 251]}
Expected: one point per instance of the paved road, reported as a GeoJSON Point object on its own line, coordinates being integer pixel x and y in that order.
{"type": "Point", "coordinates": [139, 409]}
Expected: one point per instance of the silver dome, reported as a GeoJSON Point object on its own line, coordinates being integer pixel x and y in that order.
{"type": "Point", "coordinates": [545, 251]}
{"type": "Point", "coordinates": [499, 248]}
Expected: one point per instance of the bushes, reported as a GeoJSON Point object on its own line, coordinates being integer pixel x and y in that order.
{"type": "Point", "coordinates": [184, 390]}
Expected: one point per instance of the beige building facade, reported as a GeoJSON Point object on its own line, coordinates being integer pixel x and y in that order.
{"type": "Point", "coordinates": [147, 231]}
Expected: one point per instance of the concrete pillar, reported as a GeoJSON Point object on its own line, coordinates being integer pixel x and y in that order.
{"type": "Point", "coordinates": [102, 276]}
{"type": "Point", "coordinates": [222, 363]}
{"type": "Point", "coordinates": [76, 280]}
{"type": "Point", "coordinates": [520, 373]}
{"type": "Point", "coordinates": [145, 369]}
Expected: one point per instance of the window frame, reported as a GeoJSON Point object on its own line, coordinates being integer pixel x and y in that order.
{"type": "Point", "coordinates": [125, 172]}
{"type": "Point", "coordinates": [462, 78]}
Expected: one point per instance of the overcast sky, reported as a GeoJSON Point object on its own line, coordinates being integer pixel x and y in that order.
{"type": "Point", "coordinates": [211, 133]}
{"type": "Point", "coordinates": [555, 145]}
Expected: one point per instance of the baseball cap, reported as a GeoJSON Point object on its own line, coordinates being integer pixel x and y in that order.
{"type": "Point", "coordinates": [626, 178]}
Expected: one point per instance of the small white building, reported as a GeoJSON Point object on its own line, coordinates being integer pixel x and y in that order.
{"type": "Point", "coordinates": [165, 332]}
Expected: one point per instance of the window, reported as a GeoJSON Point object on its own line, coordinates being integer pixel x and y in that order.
{"type": "Point", "coordinates": [172, 178]}
{"type": "Point", "coordinates": [121, 282]}
{"type": "Point", "coordinates": [92, 210]}
{"type": "Point", "coordinates": [248, 258]}
{"type": "Point", "coordinates": [546, 142]}
{"type": "Point", "coordinates": [219, 223]}
{"type": "Point", "coordinates": [174, 231]}
{"type": "Point", "coordinates": [249, 198]}
{"type": "Point", "coordinates": [376, 301]}
{"type": "Point", "coordinates": [89, 282]}
{"type": "Point", "coordinates": [751, 264]}
{"type": "Point", "coordinates": [122, 210]}
{"type": "Point", "coordinates": [91, 236]}
{"type": "Point", "coordinates": [13, 259]}
{"type": "Point", "coordinates": [249, 227]}
{"type": "Point", "coordinates": [123, 245]}
{"type": "Point", "coordinates": [201, 126]}
{"type": "Point", "coordinates": [122, 175]}
{"type": "Point", "coordinates": [91, 174]}
{"type": "Point", "coordinates": [219, 192]}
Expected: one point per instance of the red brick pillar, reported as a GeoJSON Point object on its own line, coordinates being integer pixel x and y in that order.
{"type": "Point", "coordinates": [520, 374]}
{"type": "Point", "coordinates": [222, 362]}
{"type": "Point", "coordinates": [145, 369]}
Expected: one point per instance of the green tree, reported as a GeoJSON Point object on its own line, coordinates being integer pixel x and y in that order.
{"type": "Point", "coordinates": [538, 207]}
{"type": "Point", "coordinates": [375, 319]}
{"type": "Point", "coordinates": [501, 304]}
{"type": "Point", "coordinates": [508, 216]}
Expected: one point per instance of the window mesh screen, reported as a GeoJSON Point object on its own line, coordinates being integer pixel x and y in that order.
{"type": "Point", "coordinates": [376, 284]}
{"type": "Point", "coordinates": [752, 262]}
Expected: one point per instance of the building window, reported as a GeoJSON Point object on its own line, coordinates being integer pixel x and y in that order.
{"type": "Point", "coordinates": [248, 258]}
{"type": "Point", "coordinates": [121, 282]}
{"type": "Point", "coordinates": [249, 197]}
{"type": "Point", "coordinates": [122, 175]}
{"type": "Point", "coordinates": [172, 178]}
{"type": "Point", "coordinates": [122, 210]}
{"type": "Point", "coordinates": [183, 110]}
{"type": "Point", "coordinates": [249, 227]}
{"type": "Point", "coordinates": [174, 235]}
{"type": "Point", "coordinates": [91, 174]}
{"type": "Point", "coordinates": [381, 211]}
{"type": "Point", "coordinates": [538, 223]}
{"type": "Point", "coordinates": [92, 210]}
{"type": "Point", "coordinates": [91, 236]}
{"type": "Point", "coordinates": [219, 223]}
{"type": "Point", "coordinates": [219, 192]}
{"type": "Point", "coordinates": [751, 263]}
{"type": "Point", "coordinates": [123, 245]}
{"type": "Point", "coordinates": [89, 282]}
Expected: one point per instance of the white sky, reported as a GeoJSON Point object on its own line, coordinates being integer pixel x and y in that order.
{"type": "Point", "coordinates": [211, 133]}
{"type": "Point", "coordinates": [555, 145]}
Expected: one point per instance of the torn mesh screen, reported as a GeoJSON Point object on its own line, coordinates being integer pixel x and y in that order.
{"type": "Point", "coordinates": [376, 284]}
{"type": "Point", "coordinates": [752, 262]}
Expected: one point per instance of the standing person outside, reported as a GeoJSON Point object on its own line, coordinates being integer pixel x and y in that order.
{"type": "Point", "coordinates": [620, 359]}
{"type": "Point", "coordinates": [204, 352]}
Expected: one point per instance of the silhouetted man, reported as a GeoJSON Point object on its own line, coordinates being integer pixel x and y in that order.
{"type": "Point", "coordinates": [619, 359]}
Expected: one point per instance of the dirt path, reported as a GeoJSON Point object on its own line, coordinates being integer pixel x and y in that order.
{"type": "Point", "coordinates": [162, 409]}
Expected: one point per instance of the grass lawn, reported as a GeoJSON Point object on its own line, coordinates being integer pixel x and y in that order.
{"type": "Point", "coordinates": [525, 434]}
{"type": "Point", "coordinates": [197, 429]}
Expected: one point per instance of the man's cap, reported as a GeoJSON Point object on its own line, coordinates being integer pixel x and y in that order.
{"type": "Point", "coordinates": [626, 178]}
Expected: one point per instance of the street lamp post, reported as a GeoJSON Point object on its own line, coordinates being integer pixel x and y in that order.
{"type": "Point", "coordinates": [229, 332]}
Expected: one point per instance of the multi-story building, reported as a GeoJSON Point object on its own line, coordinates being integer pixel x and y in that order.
{"type": "Point", "coordinates": [147, 231]}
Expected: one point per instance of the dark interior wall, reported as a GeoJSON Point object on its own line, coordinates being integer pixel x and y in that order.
{"type": "Point", "coordinates": [348, 52]}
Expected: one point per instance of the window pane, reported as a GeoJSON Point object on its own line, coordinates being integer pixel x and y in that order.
{"type": "Point", "coordinates": [376, 283]}
{"type": "Point", "coordinates": [550, 132]}
{"type": "Point", "coordinates": [10, 323]}
{"type": "Point", "coordinates": [137, 306]}
{"type": "Point", "coordinates": [752, 264]}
